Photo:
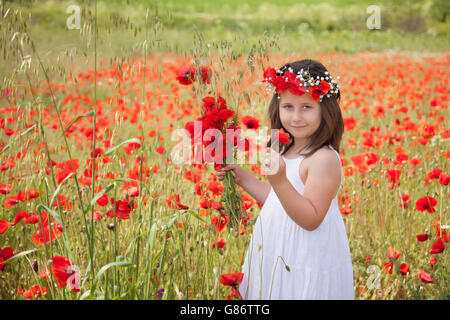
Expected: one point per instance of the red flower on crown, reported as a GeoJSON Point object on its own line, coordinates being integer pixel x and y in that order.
{"type": "Point", "coordinates": [295, 84]}
{"type": "Point", "coordinates": [318, 91]}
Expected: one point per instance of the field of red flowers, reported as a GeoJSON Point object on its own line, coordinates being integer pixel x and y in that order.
{"type": "Point", "coordinates": [93, 205]}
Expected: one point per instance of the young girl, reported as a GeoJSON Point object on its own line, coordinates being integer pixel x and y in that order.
{"type": "Point", "coordinates": [299, 247]}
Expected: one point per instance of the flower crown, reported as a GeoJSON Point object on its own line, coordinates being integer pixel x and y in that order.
{"type": "Point", "coordinates": [301, 83]}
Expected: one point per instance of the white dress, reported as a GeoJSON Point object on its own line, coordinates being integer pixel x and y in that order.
{"type": "Point", "coordinates": [319, 261]}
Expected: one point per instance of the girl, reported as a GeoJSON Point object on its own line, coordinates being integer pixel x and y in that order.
{"type": "Point", "coordinates": [299, 247]}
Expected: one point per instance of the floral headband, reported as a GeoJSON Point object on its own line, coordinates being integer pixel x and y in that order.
{"type": "Point", "coordinates": [301, 83]}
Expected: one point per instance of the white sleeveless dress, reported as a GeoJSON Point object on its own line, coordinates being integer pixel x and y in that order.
{"type": "Point", "coordinates": [319, 261]}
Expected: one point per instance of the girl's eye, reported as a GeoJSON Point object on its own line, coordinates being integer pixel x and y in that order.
{"type": "Point", "coordinates": [289, 106]}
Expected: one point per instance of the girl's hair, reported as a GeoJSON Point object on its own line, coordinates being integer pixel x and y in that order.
{"type": "Point", "coordinates": [331, 126]}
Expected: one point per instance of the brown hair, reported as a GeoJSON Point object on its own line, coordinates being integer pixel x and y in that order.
{"type": "Point", "coordinates": [331, 126]}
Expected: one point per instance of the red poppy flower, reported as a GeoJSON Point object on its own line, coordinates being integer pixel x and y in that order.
{"type": "Point", "coordinates": [389, 266]}
{"type": "Point", "coordinates": [346, 210]}
{"type": "Point", "coordinates": [215, 187]}
{"type": "Point", "coordinates": [42, 235]}
{"type": "Point", "coordinates": [422, 237]}
{"type": "Point", "coordinates": [206, 74]}
{"type": "Point", "coordinates": [444, 179]}
{"type": "Point", "coordinates": [5, 254]}
{"type": "Point", "coordinates": [250, 122]}
{"type": "Point", "coordinates": [62, 174]}
{"type": "Point", "coordinates": [216, 205]}
{"type": "Point", "coordinates": [33, 194]}
{"type": "Point", "coordinates": [425, 277]}
{"type": "Point", "coordinates": [98, 152]}
{"type": "Point", "coordinates": [426, 203]}
{"type": "Point", "coordinates": [35, 291]}
{"type": "Point", "coordinates": [62, 201]}
{"type": "Point", "coordinates": [405, 197]}
{"type": "Point", "coordinates": [9, 132]}
{"type": "Point", "coordinates": [317, 91]}
{"type": "Point", "coordinates": [224, 114]}
{"type": "Point", "coordinates": [192, 176]}
{"type": "Point", "coordinates": [282, 136]}
{"type": "Point", "coordinates": [404, 269]}
{"type": "Point", "coordinates": [433, 174]}
{"type": "Point", "coordinates": [103, 200]}
{"type": "Point", "coordinates": [131, 188]}
{"type": "Point", "coordinates": [97, 215]}
{"type": "Point", "coordinates": [186, 75]}
{"type": "Point", "coordinates": [220, 223]}
{"type": "Point", "coordinates": [21, 215]}
{"type": "Point", "coordinates": [349, 123]}
{"type": "Point", "coordinates": [208, 104]}
{"type": "Point", "coordinates": [32, 218]}
{"type": "Point", "coordinates": [161, 150]}
{"type": "Point", "coordinates": [5, 188]}
{"type": "Point", "coordinates": [4, 226]}
{"type": "Point", "coordinates": [428, 131]}
{"type": "Point", "coordinates": [11, 201]}
{"type": "Point", "coordinates": [295, 85]}
{"type": "Point", "coordinates": [438, 246]}
{"type": "Point", "coordinates": [280, 83]}
{"type": "Point", "coordinates": [220, 243]}
{"type": "Point", "coordinates": [123, 209]}
{"type": "Point", "coordinates": [393, 253]}
{"type": "Point", "coordinates": [64, 272]}
{"type": "Point", "coordinates": [22, 196]}
{"type": "Point", "coordinates": [173, 202]}
{"type": "Point", "coordinates": [151, 133]}
{"type": "Point", "coordinates": [394, 176]}
{"type": "Point", "coordinates": [433, 262]}
{"type": "Point", "coordinates": [269, 75]}
{"type": "Point", "coordinates": [44, 274]}
{"type": "Point", "coordinates": [131, 147]}
{"type": "Point", "coordinates": [231, 279]}
{"type": "Point", "coordinates": [203, 203]}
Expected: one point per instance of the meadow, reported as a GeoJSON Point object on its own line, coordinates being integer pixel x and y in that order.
{"type": "Point", "coordinates": [94, 205]}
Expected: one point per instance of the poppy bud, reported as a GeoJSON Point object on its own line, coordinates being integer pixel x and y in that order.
{"type": "Point", "coordinates": [35, 265]}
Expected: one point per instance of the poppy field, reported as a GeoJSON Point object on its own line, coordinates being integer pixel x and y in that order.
{"type": "Point", "coordinates": [94, 204]}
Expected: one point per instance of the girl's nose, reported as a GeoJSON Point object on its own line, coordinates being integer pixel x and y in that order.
{"type": "Point", "coordinates": [297, 115]}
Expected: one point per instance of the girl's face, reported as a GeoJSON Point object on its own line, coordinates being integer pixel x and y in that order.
{"type": "Point", "coordinates": [300, 115]}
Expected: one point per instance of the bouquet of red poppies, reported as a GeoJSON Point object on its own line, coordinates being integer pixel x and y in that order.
{"type": "Point", "coordinates": [215, 119]}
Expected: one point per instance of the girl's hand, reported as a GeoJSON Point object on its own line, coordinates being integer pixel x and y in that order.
{"type": "Point", "coordinates": [238, 172]}
{"type": "Point", "coordinates": [274, 166]}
